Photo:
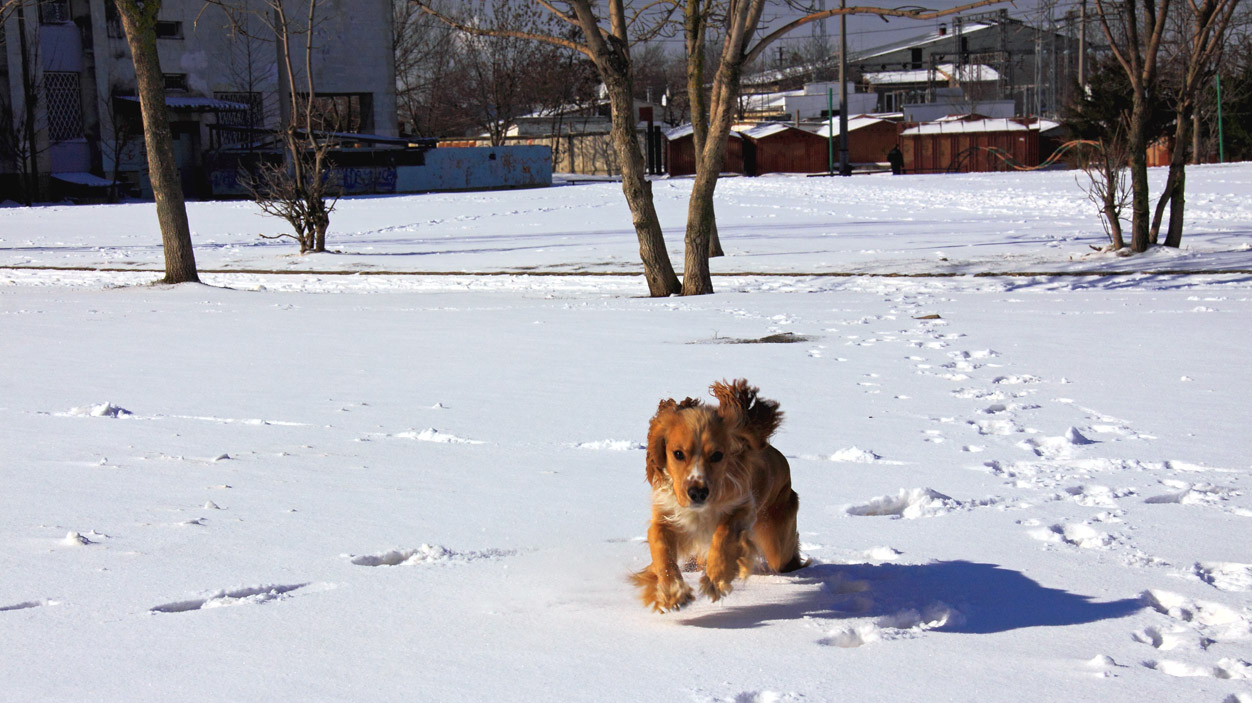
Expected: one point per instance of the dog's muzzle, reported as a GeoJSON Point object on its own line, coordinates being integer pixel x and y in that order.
{"type": "Point", "coordinates": [697, 492]}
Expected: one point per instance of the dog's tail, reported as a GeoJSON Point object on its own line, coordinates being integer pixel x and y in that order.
{"type": "Point", "coordinates": [739, 404]}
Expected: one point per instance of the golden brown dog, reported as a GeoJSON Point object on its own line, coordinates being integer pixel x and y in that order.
{"type": "Point", "coordinates": [721, 495]}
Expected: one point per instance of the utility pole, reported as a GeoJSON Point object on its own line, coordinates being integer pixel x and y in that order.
{"type": "Point", "coordinates": [1082, 46]}
{"type": "Point", "coordinates": [845, 168]}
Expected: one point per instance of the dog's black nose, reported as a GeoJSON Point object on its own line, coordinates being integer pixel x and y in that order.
{"type": "Point", "coordinates": [698, 493]}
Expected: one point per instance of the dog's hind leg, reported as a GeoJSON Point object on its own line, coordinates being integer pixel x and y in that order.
{"type": "Point", "coordinates": [776, 536]}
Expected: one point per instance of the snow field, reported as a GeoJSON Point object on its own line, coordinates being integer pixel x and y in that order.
{"type": "Point", "coordinates": [396, 488]}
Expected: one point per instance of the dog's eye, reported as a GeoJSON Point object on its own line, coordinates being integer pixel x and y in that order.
{"type": "Point", "coordinates": [716, 457]}
{"type": "Point", "coordinates": [679, 455]}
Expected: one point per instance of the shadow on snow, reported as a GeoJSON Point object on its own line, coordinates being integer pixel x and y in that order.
{"type": "Point", "coordinates": [989, 598]}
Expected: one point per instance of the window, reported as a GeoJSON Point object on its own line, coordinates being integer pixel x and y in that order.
{"type": "Point", "coordinates": [175, 82]}
{"type": "Point", "coordinates": [54, 11]}
{"type": "Point", "coordinates": [65, 105]}
{"type": "Point", "coordinates": [168, 30]}
{"type": "Point", "coordinates": [114, 21]}
{"type": "Point", "coordinates": [344, 112]}
{"type": "Point", "coordinates": [915, 57]}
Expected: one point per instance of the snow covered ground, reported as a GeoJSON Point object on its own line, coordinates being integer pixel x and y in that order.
{"type": "Point", "coordinates": [311, 479]}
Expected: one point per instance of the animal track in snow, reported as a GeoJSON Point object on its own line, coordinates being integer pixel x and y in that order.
{"type": "Point", "coordinates": [1184, 493]}
{"type": "Point", "coordinates": [1076, 534]}
{"type": "Point", "coordinates": [1056, 447]}
{"type": "Point", "coordinates": [1195, 627]}
{"type": "Point", "coordinates": [995, 427]}
{"type": "Point", "coordinates": [1225, 576]}
{"type": "Point", "coordinates": [23, 606]}
{"type": "Point", "coordinates": [1225, 669]}
{"type": "Point", "coordinates": [902, 624]}
{"type": "Point", "coordinates": [428, 554]}
{"type": "Point", "coordinates": [252, 595]}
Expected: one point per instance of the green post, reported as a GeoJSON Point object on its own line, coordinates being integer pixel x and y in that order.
{"type": "Point", "coordinates": [830, 140]}
{"type": "Point", "coordinates": [1221, 147]}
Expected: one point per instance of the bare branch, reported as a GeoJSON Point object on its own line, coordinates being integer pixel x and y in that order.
{"type": "Point", "coordinates": [509, 33]}
{"type": "Point", "coordinates": [883, 12]}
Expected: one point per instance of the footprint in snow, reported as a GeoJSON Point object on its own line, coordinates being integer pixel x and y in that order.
{"type": "Point", "coordinates": [428, 554]}
{"type": "Point", "coordinates": [21, 606]}
{"type": "Point", "coordinates": [251, 595]}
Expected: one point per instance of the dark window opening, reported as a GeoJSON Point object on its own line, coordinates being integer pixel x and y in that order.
{"type": "Point", "coordinates": [175, 82]}
{"type": "Point", "coordinates": [168, 30]}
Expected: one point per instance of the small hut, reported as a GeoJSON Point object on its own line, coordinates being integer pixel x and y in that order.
{"type": "Point", "coordinates": [870, 137]}
{"type": "Point", "coordinates": [680, 152]}
{"type": "Point", "coordinates": [779, 148]}
{"type": "Point", "coordinates": [971, 143]}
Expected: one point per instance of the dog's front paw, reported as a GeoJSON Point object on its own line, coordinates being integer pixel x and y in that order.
{"type": "Point", "coordinates": [715, 590]}
{"type": "Point", "coordinates": [663, 595]}
{"type": "Point", "coordinates": [672, 595]}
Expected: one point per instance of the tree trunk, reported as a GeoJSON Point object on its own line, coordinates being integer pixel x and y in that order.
{"type": "Point", "coordinates": [1137, 143]}
{"type": "Point", "coordinates": [1175, 186]}
{"type": "Point", "coordinates": [1177, 204]}
{"type": "Point", "coordinates": [695, 28]}
{"type": "Point", "coordinates": [139, 25]}
{"type": "Point", "coordinates": [657, 269]}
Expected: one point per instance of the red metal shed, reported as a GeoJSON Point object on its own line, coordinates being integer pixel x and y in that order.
{"type": "Point", "coordinates": [970, 143]}
{"type": "Point", "coordinates": [680, 157]}
{"type": "Point", "coordinates": [779, 148]}
{"type": "Point", "coordinates": [869, 138]}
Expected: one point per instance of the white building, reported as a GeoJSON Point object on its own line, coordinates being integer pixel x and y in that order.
{"type": "Point", "coordinates": [67, 85]}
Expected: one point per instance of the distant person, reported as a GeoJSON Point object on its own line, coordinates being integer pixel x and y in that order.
{"type": "Point", "coordinates": [896, 159]}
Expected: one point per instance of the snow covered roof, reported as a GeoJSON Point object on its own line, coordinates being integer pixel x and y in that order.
{"type": "Point", "coordinates": [956, 125]}
{"type": "Point", "coordinates": [769, 129]}
{"type": "Point", "coordinates": [83, 178]}
{"type": "Point", "coordinates": [854, 123]}
{"type": "Point", "coordinates": [968, 73]}
{"type": "Point", "coordinates": [192, 102]}
{"type": "Point", "coordinates": [932, 37]}
{"type": "Point", "coordinates": [687, 129]}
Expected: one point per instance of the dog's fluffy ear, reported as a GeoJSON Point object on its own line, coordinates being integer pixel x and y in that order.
{"type": "Point", "coordinates": [755, 417]}
{"type": "Point", "coordinates": [656, 441]}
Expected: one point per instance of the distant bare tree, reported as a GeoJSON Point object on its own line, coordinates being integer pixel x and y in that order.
{"type": "Point", "coordinates": [1105, 166]}
{"type": "Point", "coordinates": [1197, 37]}
{"type": "Point", "coordinates": [299, 190]}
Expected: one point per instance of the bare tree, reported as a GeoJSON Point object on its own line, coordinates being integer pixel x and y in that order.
{"type": "Point", "coordinates": [607, 41]}
{"type": "Point", "coordinates": [739, 23]}
{"type": "Point", "coordinates": [138, 22]}
{"type": "Point", "coordinates": [424, 56]}
{"type": "Point", "coordinates": [1135, 30]}
{"type": "Point", "coordinates": [607, 44]}
{"type": "Point", "coordinates": [1200, 30]}
{"type": "Point", "coordinates": [1104, 165]}
{"type": "Point", "coordinates": [300, 189]}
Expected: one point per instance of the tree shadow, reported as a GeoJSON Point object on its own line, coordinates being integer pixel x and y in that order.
{"type": "Point", "coordinates": [987, 598]}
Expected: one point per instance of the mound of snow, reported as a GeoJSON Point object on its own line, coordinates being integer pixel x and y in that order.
{"type": "Point", "coordinates": [431, 434]}
{"type": "Point", "coordinates": [101, 410]}
{"type": "Point", "coordinates": [908, 503]}
{"type": "Point", "coordinates": [854, 455]}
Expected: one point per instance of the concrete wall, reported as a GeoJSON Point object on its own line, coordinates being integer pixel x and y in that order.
{"type": "Point", "coordinates": [385, 171]}
{"type": "Point", "coordinates": [478, 168]}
